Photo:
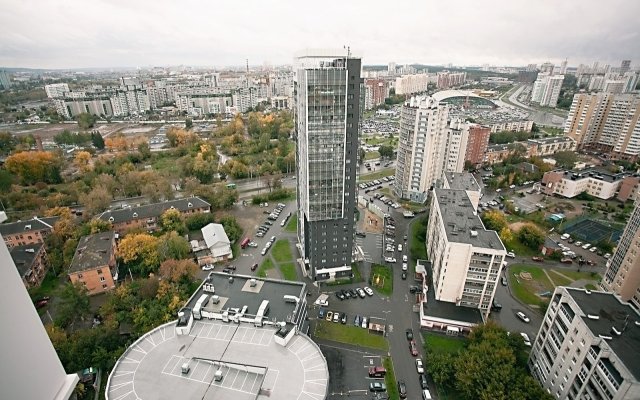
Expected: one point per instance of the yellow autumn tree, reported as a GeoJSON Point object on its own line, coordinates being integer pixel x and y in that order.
{"type": "Point", "coordinates": [140, 252]}
{"type": "Point", "coordinates": [82, 161]}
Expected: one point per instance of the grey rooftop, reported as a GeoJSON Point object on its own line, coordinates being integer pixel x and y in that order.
{"type": "Point", "coordinates": [93, 251]}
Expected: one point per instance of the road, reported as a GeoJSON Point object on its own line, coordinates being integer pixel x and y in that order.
{"type": "Point", "coordinates": [542, 118]}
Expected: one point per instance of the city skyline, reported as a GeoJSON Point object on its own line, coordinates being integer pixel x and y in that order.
{"type": "Point", "coordinates": [114, 34]}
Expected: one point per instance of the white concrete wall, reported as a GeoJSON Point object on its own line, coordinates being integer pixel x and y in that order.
{"type": "Point", "coordinates": [453, 272]}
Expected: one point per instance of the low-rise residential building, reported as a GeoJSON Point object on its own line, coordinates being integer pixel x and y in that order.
{"type": "Point", "coordinates": [94, 263]}
{"type": "Point", "coordinates": [214, 246]}
{"type": "Point", "coordinates": [512, 126]}
{"type": "Point", "coordinates": [467, 259]}
{"type": "Point", "coordinates": [31, 262]}
{"type": "Point", "coordinates": [587, 347]}
{"type": "Point", "coordinates": [463, 181]}
{"type": "Point", "coordinates": [601, 184]}
{"type": "Point", "coordinates": [629, 189]}
{"type": "Point", "coordinates": [499, 152]}
{"type": "Point", "coordinates": [551, 145]}
{"type": "Point", "coordinates": [26, 232]}
{"type": "Point", "coordinates": [147, 216]}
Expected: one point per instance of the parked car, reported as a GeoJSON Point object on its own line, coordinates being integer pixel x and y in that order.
{"type": "Point", "coordinates": [496, 306]}
{"type": "Point", "coordinates": [356, 320]}
{"type": "Point", "coordinates": [254, 267]}
{"type": "Point", "coordinates": [511, 254]}
{"type": "Point", "coordinates": [525, 337]}
{"type": "Point", "coordinates": [208, 267]}
{"type": "Point", "coordinates": [413, 349]}
{"type": "Point", "coordinates": [343, 318]}
{"type": "Point", "coordinates": [566, 260]}
{"type": "Point", "coordinates": [361, 234]}
{"type": "Point", "coordinates": [361, 293]}
{"type": "Point", "coordinates": [377, 372]}
{"type": "Point", "coordinates": [415, 289]}
{"type": "Point", "coordinates": [503, 281]}
{"type": "Point", "coordinates": [321, 313]}
{"type": "Point", "coordinates": [419, 366]}
{"type": "Point", "coordinates": [336, 317]}
{"type": "Point", "coordinates": [368, 290]}
{"type": "Point", "coordinates": [586, 246]}
{"type": "Point", "coordinates": [41, 302]}
{"type": "Point", "coordinates": [404, 257]}
{"type": "Point", "coordinates": [404, 266]}
{"type": "Point", "coordinates": [253, 244]}
{"type": "Point", "coordinates": [365, 323]}
{"type": "Point", "coordinates": [377, 387]}
{"type": "Point", "coordinates": [399, 247]}
{"type": "Point", "coordinates": [404, 275]}
{"type": "Point", "coordinates": [409, 333]}
{"type": "Point", "coordinates": [423, 382]}
{"type": "Point", "coordinates": [578, 243]}
{"type": "Point", "coordinates": [523, 317]}
{"type": "Point", "coordinates": [607, 255]}
{"type": "Point", "coordinates": [538, 259]}
{"type": "Point", "coordinates": [340, 295]}
{"type": "Point", "coordinates": [329, 316]}
{"type": "Point", "coordinates": [390, 259]}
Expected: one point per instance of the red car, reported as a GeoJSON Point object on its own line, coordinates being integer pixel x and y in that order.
{"type": "Point", "coordinates": [538, 259]}
{"type": "Point", "coordinates": [41, 302]}
{"type": "Point", "coordinates": [413, 348]}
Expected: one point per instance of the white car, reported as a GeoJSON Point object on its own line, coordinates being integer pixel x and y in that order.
{"type": "Point", "coordinates": [368, 290]}
{"type": "Point", "coordinates": [565, 236]}
{"type": "Point", "coordinates": [399, 247]}
{"type": "Point", "coordinates": [405, 258]}
{"type": "Point", "coordinates": [253, 244]}
{"type": "Point", "coordinates": [522, 316]}
{"type": "Point", "coordinates": [364, 322]}
{"type": "Point", "coordinates": [578, 243]}
{"type": "Point", "coordinates": [586, 246]}
{"type": "Point", "coordinates": [267, 245]}
{"type": "Point", "coordinates": [511, 254]}
{"type": "Point", "coordinates": [404, 266]}
{"type": "Point", "coordinates": [593, 249]}
{"type": "Point", "coordinates": [264, 251]}
{"type": "Point", "coordinates": [207, 267]}
{"type": "Point", "coordinates": [419, 366]}
{"type": "Point", "coordinates": [525, 337]}
{"type": "Point", "coordinates": [390, 259]}
{"type": "Point", "coordinates": [607, 255]}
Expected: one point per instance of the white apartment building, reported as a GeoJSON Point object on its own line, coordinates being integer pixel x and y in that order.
{"type": "Point", "coordinates": [456, 145]}
{"type": "Point", "coordinates": [421, 148]}
{"type": "Point", "coordinates": [56, 90]}
{"type": "Point", "coordinates": [463, 181]}
{"type": "Point", "coordinates": [601, 184]}
{"type": "Point", "coordinates": [587, 347]}
{"type": "Point", "coordinates": [203, 103]}
{"type": "Point", "coordinates": [546, 89]}
{"type": "Point", "coordinates": [415, 83]}
{"type": "Point", "coordinates": [512, 126]}
{"type": "Point", "coordinates": [466, 258]}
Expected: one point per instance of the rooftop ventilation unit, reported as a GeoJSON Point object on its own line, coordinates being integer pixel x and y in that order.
{"type": "Point", "coordinates": [215, 299]}
{"type": "Point", "coordinates": [30, 250]}
{"type": "Point", "coordinates": [473, 233]}
{"type": "Point", "coordinates": [135, 215]}
{"type": "Point", "coordinates": [27, 227]}
{"type": "Point", "coordinates": [189, 204]}
{"type": "Point", "coordinates": [253, 283]}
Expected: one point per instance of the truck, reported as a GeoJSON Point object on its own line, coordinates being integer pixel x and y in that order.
{"type": "Point", "coordinates": [323, 300]}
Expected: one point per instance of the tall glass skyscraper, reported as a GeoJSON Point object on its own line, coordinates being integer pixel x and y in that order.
{"type": "Point", "coordinates": [327, 95]}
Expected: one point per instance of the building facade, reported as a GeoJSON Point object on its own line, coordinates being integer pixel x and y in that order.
{"type": "Point", "coordinates": [376, 90]}
{"type": "Point", "coordinates": [586, 347]}
{"type": "Point", "coordinates": [477, 143]}
{"type": "Point", "coordinates": [546, 89]}
{"type": "Point", "coordinates": [414, 83]}
{"type": "Point", "coordinates": [421, 147]}
{"type": "Point", "coordinates": [623, 268]}
{"type": "Point", "coordinates": [466, 258]}
{"type": "Point", "coordinates": [94, 263]}
{"type": "Point", "coordinates": [27, 232]}
{"type": "Point", "coordinates": [31, 262]}
{"type": "Point", "coordinates": [327, 111]}
{"type": "Point", "coordinates": [601, 184]}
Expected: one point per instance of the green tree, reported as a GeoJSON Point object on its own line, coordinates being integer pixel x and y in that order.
{"type": "Point", "coordinates": [171, 220]}
{"type": "Point", "coordinates": [494, 220]}
{"type": "Point", "coordinates": [361, 155]}
{"type": "Point", "coordinates": [97, 140]}
{"type": "Point", "coordinates": [172, 246]}
{"type": "Point", "coordinates": [6, 180]}
{"type": "Point", "coordinates": [73, 305]}
{"type": "Point", "coordinates": [144, 149]}
{"type": "Point", "coordinates": [197, 221]}
{"type": "Point", "coordinates": [531, 236]}
{"type": "Point", "coordinates": [8, 142]}
{"type": "Point", "coordinates": [231, 227]}
{"type": "Point", "coordinates": [385, 151]}
{"type": "Point", "coordinates": [86, 120]}
{"type": "Point", "coordinates": [188, 123]}
{"type": "Point", "coordinates": [566, 159]}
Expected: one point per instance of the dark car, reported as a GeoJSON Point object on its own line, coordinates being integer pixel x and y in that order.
{"type": "Point", "coordinates": [538, 259]}
{"type": "Point", "coordinates": [409, 333]}
{"type": "Point", "coordinates": [41, 302]}
{"type": "Point", "coordinates": [413, 348]}
{"type": "Point", "coordinates": [361, 234]}
{"type": "Point", "coordinates": [423, 381]}
{"type": "Point", "coordinates": [340, 295]}
{"type": "Point", "coordinates": [353, 294]}
{"type": "Point", "coordinates": [402, 389]}
{"type": "Point", "coordinates": [377, 387]}
{"type": "Point", "coordinates": [415, 289]}
{"type": "Point", "coordinates": [343, 318]}
{"type": "Point", "coordinates": [254, 267]}
{"type": "Point", "coordinates": [404, 275]}
{"type": "Point", "coordinates": [496, 306]}
{"type": "Point", "coordinates": [504, 281]}
{"type": "Point", "coordinates": [227, 271]}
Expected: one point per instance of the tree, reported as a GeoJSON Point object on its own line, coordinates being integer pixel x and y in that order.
{"type": "Point", "coordinates": [176, 270]}
{"type": "Point", "coordinates": [140, 252]}
{"type": "Point", "coordinates": [98, 225]}
{"type": "Point", "coordinates": [171, 220]}
{"type": "Point", "coordinates": [231, 228]}
{"type": "Point", "coordinates": [82, 161]}
{"type": "Point", "coordinates": [107, 182]}
{"type": "Point", "coordinates": [361, 154]}
{"type": "Point", "coordinates": [144, 149]}
{"type": "Point", "coordinates": [173, 246]}
{"type": "Point", "coordinates": [531, 236]}
{"type": "Point", "coordinates": [385, 151]}
{"type": "Point", "coordinates": [188, 123]}
{"type": "Point", "coordinates": [506, 235]}
{"type": "Point", "coordinates": [565, 159]}
{"type": "Point", "coordinates": [86, 120]}
{"type": "Point", "coordinates": [97, 140]}
{"type": "Point", "coordinates": [35, 166]}
{"type": "Point", "coordinates": [494, 220]}
{"type": "Point", "coordinates": [6, 180]}
{"type": "Point", "coordinates": [96, 201]}
{"type": "Point", "coordinates": [74, 304]}
{"type": "Point", "coordinates": [198, 221]}
{"type": "Point", "coordinates": [8, 142]}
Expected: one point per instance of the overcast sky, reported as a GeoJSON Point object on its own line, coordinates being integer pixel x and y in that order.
{"type": "Point", "coordinates": [140, 33]}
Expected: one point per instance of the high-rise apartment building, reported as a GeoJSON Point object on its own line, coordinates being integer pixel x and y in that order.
{"type": "Point", "coordinates": [422, 147]}
{"type": "Point", "coordinates": [376, 90]}
{"type": "Point", "coordinates": [447, 79]}
{"type": "Point", "coordinates": [563, 67]}
{"type": "Point", "coordinates": [5, 80]}
{"type": "Point", "coordinates": [327, 110]}
{"type": "Point", "coordinates": [587, 347]}
{"type": "Point", "coordinates": [30, 366]}
{"type": "Point", "coordinates": [391, 68]}
{"type": "Point", "coordinates": [466, 258]}
{"type": "Point", "coordinates": [607, 122]}
{"type": "Point", "coordinates": [547, 68]}
{"type": "Point", "coordinates": [414, 83]}
{"type": "Point", "coordinates": [546, 89]}
{"type": "Point", "coordinates": [623, 268]}
{"type": "Point", "coordinates": [56, 90]}
{"type": "Point", "coordinates": [477, 144]}
{"type": "Point", "coordinates": [625, 65]}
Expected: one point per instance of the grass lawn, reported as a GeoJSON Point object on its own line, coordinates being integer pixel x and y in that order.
{"type": "Point", "coordinates": [357, 277]}
{"type": "Point", "coordinates": [377, 175]}
{"type": "Point", "coordinates": [166, 164]}
{"type": "Point", "coordinates": [350, 334]}
{"type": "Point", "coordinates": [525, 290]}
{"type": "Point", "coordinates": [559, 280]}
{"type": "Point", "coordinates": [442, 344]}
{"type": "Point", "coordinates": [417, 245]}
{"type": "Point", "coordinates": [382, 279]}
{"type": "Point", "coordinates": [288, 271]}
{"type": "Point", "coordinates": [292, 225]}
{"type": "Point", "coordinates": [575, 275]}
{"type": "Point", "coordinates": [390, 379]}
{"type": "Point", "coordinates": [520, 249]}
{"type": "Point", "coordinates": [49, 286]}
{"type": "Point", "coordinates": [264, 267]}
{"type": "Point", "coordinates": [589, 286]}
{"type": "Point", "coordinates": [282, 251]}
{"type": "Point", "coordinates": [370, 155]}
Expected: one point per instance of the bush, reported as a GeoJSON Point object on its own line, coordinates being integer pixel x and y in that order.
{"type": "Point", "coordinates": [199, 221]}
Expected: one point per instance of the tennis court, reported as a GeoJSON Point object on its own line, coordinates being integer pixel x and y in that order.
{"type": "Point", "coordinates": [592, 231]}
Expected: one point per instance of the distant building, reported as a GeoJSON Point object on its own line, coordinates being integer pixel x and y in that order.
{"type": "Point", "coordinates": [31, 261]}
{"type": "Point", "coordinates": [26, 232]}
{"type": "Point", "coordinates": [512, 126]}
{"type": "Point", "coordinates": [467, 258]}
{"type": "Point", "coordinates": [215, 246]}
{"type": "Point", "coordinates": [281, 102]}
{"type": "Point", "coordinates": [587, 347]}
{"type": "Point", "coordinates": [447, 79]}
{"type": "Point", "coordinates": [30, 366]}
{"type": "Point", "coordinates": [546, 89]}
{"type": "Point", "coordinates": [148, 216]}
{"type": "Point", "coordinates": [629, 189]}
{"type": "Point", "coordinates": [623, 268]}
{"type": "Point", "coordinates": [414, 83]}
{"type": "Point", "coordinates": [376, 90]}
{"type": "Point", "coordinates": [5, 80]}
{"type": "Point", "coordinates": [625, 65]}
{"type": "Point", "coordinates": [601, 184]}
{"type": "Point", "coordinates": [94, 263]}
{"type": "Point", "coordinates": [527, 76]}
{"type": "Point", "coordinates": [56, 90]}
{"type": "Point", "coordinates": [550, 145]}
{"type": "Point", "coordinates": [477, 144]}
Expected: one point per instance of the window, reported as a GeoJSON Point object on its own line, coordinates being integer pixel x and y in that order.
{"type": "Point", "coordinates": [99, 272]}
{"type": "Point", "coordinates": [80, 276]}
{"type": "Point", "coordinates": [104, 286]}
{"type": "Point", "coordinates": [102, 279]}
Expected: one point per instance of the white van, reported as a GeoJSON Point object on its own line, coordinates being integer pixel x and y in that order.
{"type": "Point", "coordinates": [426, 395]}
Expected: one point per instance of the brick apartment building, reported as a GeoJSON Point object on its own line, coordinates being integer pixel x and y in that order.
{"type": "Point", "coordinates": [31, 263]}
{"type": "Point", "coordinates": [26, 232]}
{"type": "Point", "coordinates": [477, 143]}
{"type": "Point", "coordinates": [94, 263]}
